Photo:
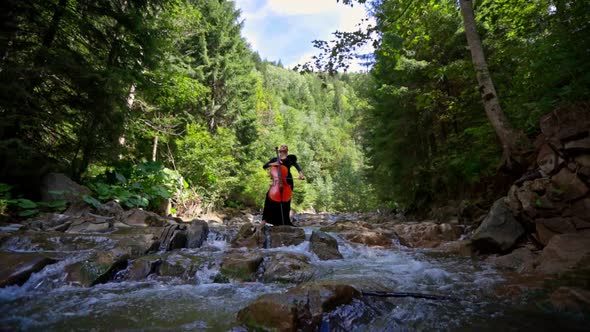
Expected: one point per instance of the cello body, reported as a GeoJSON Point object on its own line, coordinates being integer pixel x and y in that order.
{"type": "Point", "coordinates": [280, 190]}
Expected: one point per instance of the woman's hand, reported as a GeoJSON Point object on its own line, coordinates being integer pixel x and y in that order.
{"type": "Point", "coordinates": [301, 176]}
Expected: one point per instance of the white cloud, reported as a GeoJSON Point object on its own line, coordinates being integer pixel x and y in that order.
{"type": "Point", "coordinates": [283, 29]}
{"type": "Point", "coordinates": [301, 7]}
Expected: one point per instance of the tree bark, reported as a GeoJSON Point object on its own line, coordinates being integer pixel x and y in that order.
{"type": "Point", "coordinates": [510, 139]}
{"type": "Point", "coordinates": [155, 150]}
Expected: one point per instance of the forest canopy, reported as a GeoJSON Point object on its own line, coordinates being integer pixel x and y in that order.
{"type": "Point", "coordinates": [150, 100]}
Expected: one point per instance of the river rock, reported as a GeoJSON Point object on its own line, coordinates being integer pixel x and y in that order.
{"type": "Point", "coordinates": [547, 159]}
{"type": "Point", "coordinates": [286, 268]}
{"type": "Point", "coordinates": [564, 252]}
{"type": "Point", "coordinates": [249, 236]}
{"type": "Point", "coordinates": [571, 185]}
{"type": "Point", "coordinates": [571, 299]}
{"type": "Point", "coordinates": [99, 268]}
{"type": "Point", "coordinates": [566, 124]}
{"type": "Point", "coordinates": [324, 246]}
{"type": "Point", "coordinates": [546, 228]}
{"type": "Point", "coordinates": [459, 247]}
{"type": "Point", "coordinates": [140, 268]}
{"type": "Point", "coordinates": [137, 245]}
{"type": "Point", "coordinates": [173, 236]}
{"type": "Point", "coordinates": [16, 268]}
{"type": "Point", "coordinates": [283, 236]}
{"type": "Point", "coordinates": [499, 231]}
{"type": "Point", "coordinates": [56, 186]}
{"type": "Point", "coordinates": [111, 209]}
{"type": "Point", "coordinates": [50, 221]}
{"type": "Point", "coordinates": [89, 223]}
{"type": "Point", "coordinates": [241, 265]}
{"type": "Point", "coordinates": [581, 209]}
{"type": "Point", "coordinates": [426, 234]}
{"type": "Point", "coordinates": [139, 217]}
{"type": "Point", "coordinates": [179, 265]}
{"type": "Point", "coordinates": [521, 260]}
{"type": "Point", "coordinates": [300, 308]}
{"type": "Point", "coordinates": [197, 233]}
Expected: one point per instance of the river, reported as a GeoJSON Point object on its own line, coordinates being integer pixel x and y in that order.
{"type": "Point", "coordinates": [47, 302]}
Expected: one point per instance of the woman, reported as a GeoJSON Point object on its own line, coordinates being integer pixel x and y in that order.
{"type": "Point", "coordinates": [272, 210]}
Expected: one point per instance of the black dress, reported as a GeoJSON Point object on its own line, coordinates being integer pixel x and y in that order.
{"type": "Point", "coordinates": [272, 210]}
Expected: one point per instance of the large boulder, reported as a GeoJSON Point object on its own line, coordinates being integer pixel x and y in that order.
{"type": "Point", "coordinates": [16, 268]}
{"type": "Point", "coordinates": [570, 184]}
{"type": "Point", "coordinates": [286, 268]}
{"type": "Point", "coordinates": [564, 251]}
{"type": "Point", "coordinates": [283, 236]}
{"type": "Point", "coordinates": [140, 268]}
{"type": "Point", "coordinates": [300, 308]}
{"type": "Point", "coordinates": [324, 246]}
{"type": "Point", "coordinates": [179, 265]}
{"type": "Point", "coordinates": [546, 228]}
{"type": "Point", "coordinates": [173, 236]}
{"type": "Point", "coordinates": [521, 260]}
{"type": "Point", "coordinates": [99, 268]}
{"type": "Point", "coordinates": [196, 233]}
{"type": "Point", "coordinates": [499, 231]}
{"type": "Point", "coordinates": [57, 186]}
{"type": "Point", "coordinates": [241, 266]}
{"type": "Point", "coordinates": [249, 236]}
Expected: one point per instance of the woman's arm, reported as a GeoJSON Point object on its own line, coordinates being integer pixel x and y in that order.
{"type": "Point", "coordinates": [297, 167]}
{"type": "Point", "coordinates": [272, 162]}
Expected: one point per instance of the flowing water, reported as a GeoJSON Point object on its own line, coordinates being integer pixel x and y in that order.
{"type": "Point", "coordinates": [46, 302]}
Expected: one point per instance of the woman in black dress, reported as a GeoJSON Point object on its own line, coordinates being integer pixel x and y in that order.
{"type": "Point", "coordinates": [272, 210]}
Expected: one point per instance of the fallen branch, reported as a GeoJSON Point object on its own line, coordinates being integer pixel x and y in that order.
{"type": "Point", "coordinates": [406, 294]}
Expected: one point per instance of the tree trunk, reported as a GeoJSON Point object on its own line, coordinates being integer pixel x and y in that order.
{"type": "Point", "coordinates": [510, 139]}
{"type": "Point", "coordinates": [155, 150]}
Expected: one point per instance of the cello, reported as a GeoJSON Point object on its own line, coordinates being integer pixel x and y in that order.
{"type": "Point", "coordinates": [280, 190]}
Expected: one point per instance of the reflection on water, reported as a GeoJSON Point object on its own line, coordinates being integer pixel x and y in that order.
{"type": "Point", "coordinates": [45, 302]}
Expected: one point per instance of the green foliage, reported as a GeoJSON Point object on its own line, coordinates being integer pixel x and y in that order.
{"type": "Point", "coordinates": [93, 89]}
{"type": "Point", "coordinates": [208, 162]}
{"type": "Point", "coordinates": [23, 207]}
{"type": "Point", "coordinates": [143, 185]}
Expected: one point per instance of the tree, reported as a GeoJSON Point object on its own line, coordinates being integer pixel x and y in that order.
{"type": "Point", "coordinates": [511, 140]}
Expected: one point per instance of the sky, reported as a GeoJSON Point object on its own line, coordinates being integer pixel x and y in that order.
{"type": "Point", "coordinates": [284, 29]}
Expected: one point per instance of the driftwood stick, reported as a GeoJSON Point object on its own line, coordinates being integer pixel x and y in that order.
{"type": "Point", "coordinates": [406, 294]}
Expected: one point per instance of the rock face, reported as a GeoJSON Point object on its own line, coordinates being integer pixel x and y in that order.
{"type": "Point", "coordinates": [499, 230]}
{"type": "Point", "coordinates": [553, 201]}
{"type": "Point", "coordinates": [301, 308]}
{"type": "Point", "coordinates": [558, 200]}
{"type": "Point", "coordinates": [324, 246]}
